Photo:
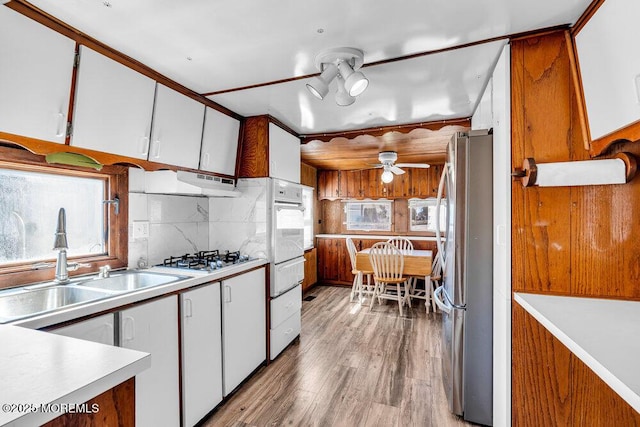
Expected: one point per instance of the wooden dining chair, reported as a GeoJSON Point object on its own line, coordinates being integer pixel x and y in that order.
{"type": "Point", "coordinates": [358, 286]}
{"type": "Point", "coordinates": [389, 283]}
{"type": "Point", "coordinates": [401, 243]}
{"type": "Point", "coordinates": [405, 245]}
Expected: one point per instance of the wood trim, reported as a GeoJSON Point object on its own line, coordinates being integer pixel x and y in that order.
{"type": "Point", "coordinates": [381, 131]}
{"type": "Point", "coordinates": [576, 78]}
{"type": "Point", "coordinates": [72, 94]}
{"type": "Point", "coordinates": [586, 16]}
{"type": "Point", "coordinates": [118, 186]}
{"type": "Point", "coordinates": [42, 148]}
{"type": "Point", "coordinates": [629, 133]}
{"type": "Point", "coordinates": [29, 10]}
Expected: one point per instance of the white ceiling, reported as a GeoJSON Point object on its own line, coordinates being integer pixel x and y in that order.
{"type": "Point", "coordinates": [214, 45]}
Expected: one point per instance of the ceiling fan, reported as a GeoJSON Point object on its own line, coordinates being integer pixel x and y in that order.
{"type": "Point", "coordinates": [388, 162]}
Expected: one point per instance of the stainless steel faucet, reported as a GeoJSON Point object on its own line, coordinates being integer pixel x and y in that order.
{"type": "Point", "coordinates": [60, 245]}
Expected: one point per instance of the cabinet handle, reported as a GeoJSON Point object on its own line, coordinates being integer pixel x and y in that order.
{"type": "Point", "coordinates": [188, 308]}
{"type": "Point", "coordinates": [205, 159]}
{"type": "Point", "coordinates": [60, 125]}
{"type": "Point", "coordinates": [144, 145]}
{"type": "Point", "coordinates": [129, 329]}
{"type": "Point", "coordinates": [288, 331]}
{"type": "Point", "coordinates": [227, 293]}
{"type": "Point", "coordinates": [156, 144]}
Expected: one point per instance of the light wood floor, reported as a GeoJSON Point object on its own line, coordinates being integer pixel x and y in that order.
{"type": "Point", "coordinates": [351, 367]}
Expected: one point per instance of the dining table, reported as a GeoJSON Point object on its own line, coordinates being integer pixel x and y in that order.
{"type": "Point", "coordinates": [417, 262]}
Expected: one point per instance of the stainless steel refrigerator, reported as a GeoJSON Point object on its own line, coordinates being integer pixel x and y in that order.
{"type": "Point", "coordinates": [466, 295]}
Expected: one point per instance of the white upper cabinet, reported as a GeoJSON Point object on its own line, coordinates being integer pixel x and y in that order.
{"type": "Point", "coordinates": [35, 78]}
{"type": "Point", "coordinates": [607, 48]}
{"type": "Point", "coordinates": [284, 154]}
{"type": "Point", "coordinates": [176, 132]}
{"type": "Point", "coordinates": [219, 143]}
{"type": "Point", "coordinates": [113, 107]}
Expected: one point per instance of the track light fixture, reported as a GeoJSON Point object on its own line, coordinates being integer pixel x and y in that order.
{"type": "Point", "coordinates": [342, 63]}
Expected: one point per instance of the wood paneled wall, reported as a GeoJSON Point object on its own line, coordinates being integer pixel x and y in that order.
{"type": "Point", "coordinates": [580, 241]}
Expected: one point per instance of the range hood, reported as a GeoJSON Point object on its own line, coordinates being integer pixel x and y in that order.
{"type": "Point", "coordinates": [189, 184]}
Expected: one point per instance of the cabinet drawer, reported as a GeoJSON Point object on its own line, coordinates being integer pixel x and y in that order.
{"type": "Point", "coordinates": [284, 334]}
{"type": "Point", "coordinates": [285, 305]}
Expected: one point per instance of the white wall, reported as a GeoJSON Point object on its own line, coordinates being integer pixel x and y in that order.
{"type": "Point", "coordinates": [177, 224]}
{"type": "Point", "coordinates": [494, 111]}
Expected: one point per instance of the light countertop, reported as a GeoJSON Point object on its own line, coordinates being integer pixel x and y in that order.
{"type": "Point", "coordinates": [40, 368]}
{"type": "Point", "coordinates": [603, 333]}
{"type": "Point", "coordinates": [118, 300]}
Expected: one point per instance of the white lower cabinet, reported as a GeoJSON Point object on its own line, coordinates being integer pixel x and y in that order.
{"type": "Point", "coordinates": [153, 327]}
{"type": "Point", "coordinates": [285, 320]}
{"type": "Point", "coordinates": [201, 352]}
{"type": "Point", "coordinates": [98, 329]}
{"type": "Point", "coordinates": [243, 327]}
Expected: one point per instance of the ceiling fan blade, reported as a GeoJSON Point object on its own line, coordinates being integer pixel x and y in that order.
{"type": "Point", "coordinates": [396, 170]}
{"type": "Point", "coordinates": [375, 166]}
{"type": "Point", "coordinates": [414, 165]}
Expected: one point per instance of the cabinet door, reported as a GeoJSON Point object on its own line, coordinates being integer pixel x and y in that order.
{"type": "Point", "coordinates": [372, 185]}
{"type": "Point", "coordinates": [328, 184]}
{"type": "Point", "coordinates": [113, 107]}
{"type": "Point", "coordinates": [328, 266]}
{"type": "Point", "coordinates": [243, 327]}
{"type": "Point", "coordinates": [153, 328]}
{"type": "Point", "coordinates": [609, 70]}
{"type": "Point", "coordinates": [176, 133]}
{"type": "Point", "coordinates": [284, 154]}
{"type": "Point", "coordinates": [400, 186]}
{"type": "Point", "coordinates": [99, 329]}
{"type": "Point", "coordinates": [35, 78]}
{"type": "Point", "coordinates": [219, 143]}
{"type": "Point", "coordinates": [344, 262]}
{"type": "Point", "coordinates": [310, 269]}
{"type": "Point", "coordinates": [350, 184]}
{"type": "Point", "coordinates": [201, 352]}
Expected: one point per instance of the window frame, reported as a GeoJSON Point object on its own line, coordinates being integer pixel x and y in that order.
{"type": "Point", "coordinates": [116, 185]}
{"type": "Point", "coordinates": [390, 206]}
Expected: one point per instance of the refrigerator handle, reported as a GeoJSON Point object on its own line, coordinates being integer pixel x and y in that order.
{"type": "Point", "coordinates": [437, 295]}
{"type": "Point", "coordinates": [437, 228]}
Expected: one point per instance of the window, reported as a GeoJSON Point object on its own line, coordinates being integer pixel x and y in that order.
{"type": "Point", "coordinates": [32, 192]}
{"type": "Point", "coordinates": [369, 215]}
{"type": "Point", "coordinates": [307, 202]}
{"type": "Point", "coordinates": [422, 215]}
{"type": "Point", "coordinates": [29, 204]}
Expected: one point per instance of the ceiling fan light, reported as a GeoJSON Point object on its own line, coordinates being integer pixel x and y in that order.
{"type": "Point", "coordinates": [319, 85]}
{"type": "Point", "coordinates": [342, 96]}
{"type": "Point", "coordinates": [386, 176]}
{"type": "Point", "coordinates": [356, 83]}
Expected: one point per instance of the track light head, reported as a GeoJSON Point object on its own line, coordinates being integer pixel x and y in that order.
{"type": "Point", "coordinates": [342, 96]}
{"type": "Point", "coordinates": [319, 86]}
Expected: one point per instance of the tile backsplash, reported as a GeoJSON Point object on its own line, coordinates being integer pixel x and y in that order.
{"type": "Point", "coordinates": [177, 225]}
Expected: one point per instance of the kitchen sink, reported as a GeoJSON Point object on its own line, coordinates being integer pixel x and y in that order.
{"type": "Point", "coordinates": [29, 302]}
{"type": "Point", "coordinates": [130, 281]}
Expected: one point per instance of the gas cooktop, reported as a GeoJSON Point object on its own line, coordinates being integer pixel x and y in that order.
{"type": "Point", "coordinates": [205, 260]}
